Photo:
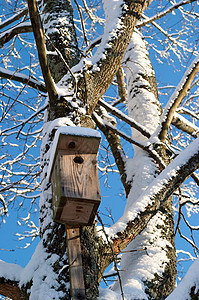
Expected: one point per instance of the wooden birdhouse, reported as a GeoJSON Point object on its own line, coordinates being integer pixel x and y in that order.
{"type": "Point", "coordinates": [74, 175]}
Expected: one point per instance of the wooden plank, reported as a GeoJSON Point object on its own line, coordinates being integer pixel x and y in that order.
{"type": "Point", "coordinates": [80, 180]}
{"type": "Point", "coordinates": [75, 189]}
{"type": "Point", "coordinates": [78, 144]}
{"type": "Point", "coordinates": [75, 264]}
{"type": "Point", "coordinates": [77, 212]}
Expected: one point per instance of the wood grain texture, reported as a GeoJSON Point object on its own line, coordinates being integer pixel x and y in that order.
{"type": "Point", "coordinates": [75, 264]}
{"type": "Point", "coordinates": [79, 180]}
{"type": "Point", "coordinates": [73, 144]}
{"type": "Point", "coordinates": [76, 190]}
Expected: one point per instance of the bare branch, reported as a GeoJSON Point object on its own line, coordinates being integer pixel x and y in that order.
{"type": "Point", "coordinates": [164, 13]}
{"type": "Point", "coordinates": [40, 42]}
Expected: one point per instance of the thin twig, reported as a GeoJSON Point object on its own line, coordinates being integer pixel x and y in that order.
{"type": "Point", "coordinates": [164, 13]}
{"type": "Point", "coordinates": [28, 80]}
{"type": "Point", "coordinates": [82, 23]}
{"type": "Point", "coordinates": [14, 18]}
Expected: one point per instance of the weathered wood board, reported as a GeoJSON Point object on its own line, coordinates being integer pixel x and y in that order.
{"type": "Point", "coordinates": [75, 264]}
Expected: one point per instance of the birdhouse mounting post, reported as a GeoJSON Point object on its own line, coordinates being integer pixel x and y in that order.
{"type": "Point", "coordinates": [75, 263]}
{"type": "Point", "coordinates": [75, 192]}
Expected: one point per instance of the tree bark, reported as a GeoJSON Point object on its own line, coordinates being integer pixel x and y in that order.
{"type": "Point", "coordinates": [10, 289]}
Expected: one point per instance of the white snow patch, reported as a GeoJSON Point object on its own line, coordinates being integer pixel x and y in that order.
{"type": "Point", "coordinates": [10, 271]}
{"type": "Point", "coordinates": [190, 280]}
{"type": "Point", "coordinates": [40, 271]}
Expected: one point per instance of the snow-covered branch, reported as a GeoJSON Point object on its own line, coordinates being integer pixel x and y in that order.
{"type": "Point", "coordinates": [116, 112]}
{"type": "Point", "coordinates": [147, 147]}
{"type": "Point", "coordinates": [117, 34]}
{"type": "Point", "coordinates": [117, 150]}
{"type": "Point", "coordinates": [7, 35]}
{"type": "Point", "coordinates": [183, 124]}
{"type": "Point", "coordinates": [151, 200]}
{"type": "Point", "coordinates": [28, 80]}
{"type": "Point", "coordinates": [9, 280]}
{"type": "Point", "coordinates": [188, 287]}
{"type": "Point", "coordinates": [14, 18]}
{"type": "Point", "coordinates": [177, 97]}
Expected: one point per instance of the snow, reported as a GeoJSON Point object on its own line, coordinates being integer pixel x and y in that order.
{"type": "Point", "coordinates": [191, 279]}
{"type": "Point", "coordinates": [151, 257]}
{"type": "Point", "coordinates": [107, 294]}
{"type": "Point", "coordinates": [139, 267]}
{"type": "Point", "coordinates": [113, 25]}
{"type": "Point", "coordinates": [40, 271]}
{"type": "Point", "coordinates": [155, 187]}
{"type": "Point", "coordinates": [8, 31]}
{"type": "Point", "coordinates": [10, 271]}
{"type": "Point", "coordinates": [143, 106]}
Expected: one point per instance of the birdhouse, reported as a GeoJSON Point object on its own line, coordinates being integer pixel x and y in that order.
{"type": "Point", "coordinates": [74, 175]}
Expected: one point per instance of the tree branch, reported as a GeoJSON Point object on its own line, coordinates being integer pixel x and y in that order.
{"type": "Point", "coordinates": [121, 84]}
{"type": "Point", "coordinates": [116, 112]}
{"type": "Point", "coordinates": [110, 52]}
{"type": "Point", "coordinates": [153, 198]}
{"type": "Point", "coordinates": [28, 80]}
{"type": "Point", "coordinates": [164, 13]}
{"type": "Point", "coordinates": [10, 289]}
{"type": "Point", "coordinates": [7, 35]}
{"type": "Point", "coordinates": [14, 18]}
{"type": "Point", "coordinates": [117, 150]}
{"type": "Point", "coordinates": [177, 97]}
{"type": "Point", "coordinates": [152, 153]}
{"type": "Point", "coordinates": [40, 42]}
{"type": "Point", "coordinates": [181, 123]}
{"type": "Point", "coordinates": [9, 280]}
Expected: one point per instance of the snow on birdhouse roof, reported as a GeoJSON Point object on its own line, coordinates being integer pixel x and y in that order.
{"type": "Point", "coordinates": [80, 131]}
